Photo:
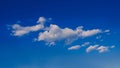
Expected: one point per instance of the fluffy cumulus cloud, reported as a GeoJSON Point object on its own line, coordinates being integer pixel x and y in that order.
{"type": "Point", "coordinates": [19, 30]}
{"type": "Point", "coordinates": [75, 47]}
{"type": "Point", "coordinates": [55, 33]}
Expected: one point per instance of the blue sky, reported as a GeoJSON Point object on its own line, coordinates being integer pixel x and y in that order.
{"type": "Point", "coordinates": [59, 34]}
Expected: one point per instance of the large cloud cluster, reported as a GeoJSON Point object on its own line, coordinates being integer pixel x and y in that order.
{"type": "Point", "coordinates": [54, 33]}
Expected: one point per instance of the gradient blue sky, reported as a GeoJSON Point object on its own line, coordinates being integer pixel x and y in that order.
{"type": "Point", "coordinates": [23, 52]}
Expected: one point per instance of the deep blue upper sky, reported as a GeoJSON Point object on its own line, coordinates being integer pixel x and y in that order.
{"type": "Point", "coordinates": [22, 52]}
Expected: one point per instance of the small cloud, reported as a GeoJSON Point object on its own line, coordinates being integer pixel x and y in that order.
{"type": "Point", "coordinates": [99, 48]}
{"type": "Point", "coordinates": [107, 31]}
{"type": "Point", "coordinates": [85, 44]}
{"type": "Point", "coordinates": [19, 30]}
{"type": "Point", "coordinates": [91, 48]}
{"type": "Point", "coordinates": [113, 46]}
{"type": "Point", "coordinates": [90, 32]}
{"type": "Point", "coordinates": [102, 49]}
{"type": "Point", "coordinates": [76, 47]}
{"type": "Point", "coordinates": [41, 20]}
{"type": "Point", "coordinates": [51, 44]}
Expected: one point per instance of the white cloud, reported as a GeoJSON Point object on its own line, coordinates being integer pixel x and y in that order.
{"type": "Point", "coordinates": [76, 47]}
{"type": "Point", "coordinates": [51, 43]}
{"type": "Point", "coordinates": [99, 48]}
{"type": "Point", "coordinates": [87, 33]}
{"type": "Point", "coordinates": [90, 32]}
{"type": "Point", "coordinates": [91, 48]}
{"type": "Point", "coordinates": [55, 33]}
{"type": "Point", "coordinates": [21, 30]}
{"type": "Point", "coordinates": [102, 49]}
{"type": "Point", "coordinates": [41, 20]}
{"type": "Point", "coordinates": [85, 44]}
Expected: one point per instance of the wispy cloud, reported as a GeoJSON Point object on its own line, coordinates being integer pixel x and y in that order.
{"type": "Point", "coordinates": [107, 30]}
{"type": "Point", "coordinates": [90, 32]}
{"type": "Point", "coordinates": [91, 48]}
{"type": "Point", "coordinates": [75, 47]}
{"type": "Point", "coordinates": [99, 48]}
{"type": "Point", "coordinates": [19, 30]}
{"type": "Point", "coordinates": [102, 49]}
{"type": "Point", "coordinates": [85, 44]}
